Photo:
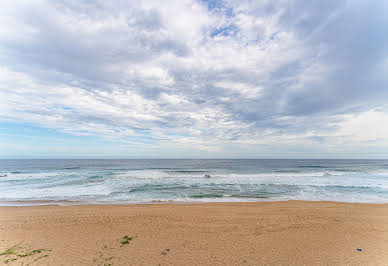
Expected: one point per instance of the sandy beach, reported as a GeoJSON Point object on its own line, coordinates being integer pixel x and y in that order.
{"type": "Point", "coordinates": [260, 233]}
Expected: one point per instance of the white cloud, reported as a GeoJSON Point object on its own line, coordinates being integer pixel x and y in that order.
{"type": "Point", "coordinates": [370, 127]}
{"type": "Point", "coordinates": [266, 72]}
{"type": "Point", "coordinates": [246, 90]}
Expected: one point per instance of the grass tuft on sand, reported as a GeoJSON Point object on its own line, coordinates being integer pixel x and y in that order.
{"type": "Point", "coordinates": [17, 252]}
{"type": "Point", "coordinates": [126, 240]}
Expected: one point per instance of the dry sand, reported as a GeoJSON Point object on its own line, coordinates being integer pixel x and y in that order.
{"type": "Point", "coordinates": [275, 233]}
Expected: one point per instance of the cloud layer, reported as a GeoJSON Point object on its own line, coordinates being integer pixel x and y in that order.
{"type": "Point", "coordinates": [208, 75]}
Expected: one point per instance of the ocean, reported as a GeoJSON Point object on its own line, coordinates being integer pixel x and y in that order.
{"type": "Point", "coordinates": [39, 182]}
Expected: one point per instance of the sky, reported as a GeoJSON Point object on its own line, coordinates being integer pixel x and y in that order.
{"type": "Point", "coordinates": [193, 79]}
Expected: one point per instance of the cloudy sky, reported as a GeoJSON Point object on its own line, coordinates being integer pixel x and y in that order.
{"type": "Point", "coordinates": [193, 79]}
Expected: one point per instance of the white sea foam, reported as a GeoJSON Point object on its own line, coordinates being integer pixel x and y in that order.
{"type": "Point", "coordinates": [187, 184]}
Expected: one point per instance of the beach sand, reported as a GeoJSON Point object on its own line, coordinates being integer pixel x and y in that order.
{"type": "Point", "coordinates": [260, 233]}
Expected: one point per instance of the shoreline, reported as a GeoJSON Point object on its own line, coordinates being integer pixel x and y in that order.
{"type": "Point", "coordinates": [246, 233]}
{"type": "Point", "coordinates": [68, 203]}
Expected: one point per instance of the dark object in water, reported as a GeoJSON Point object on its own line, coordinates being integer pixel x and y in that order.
{"type": "Point", "coordinates": [359, 249]}
{"type": "Point", "coordinates": [206, 176]}
{"type": "Point", "coordinates": [3, 175]}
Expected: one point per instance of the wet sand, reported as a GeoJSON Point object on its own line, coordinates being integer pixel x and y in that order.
{"type": "Point", "coordinates": [261, 233]}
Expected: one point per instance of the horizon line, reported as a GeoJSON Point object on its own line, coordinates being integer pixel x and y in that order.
{"type": "Point", "coordinates": [193, 158]}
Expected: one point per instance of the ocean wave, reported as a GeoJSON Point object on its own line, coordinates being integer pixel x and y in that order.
{"type": "Point", "coordinates": [187, 171]}
{"type": "Point", "coordinates": [199, 196]}
{"type": "Point", "coordinates": [312, 166]}
{"type": "Point", "coordinates": [229, 181]}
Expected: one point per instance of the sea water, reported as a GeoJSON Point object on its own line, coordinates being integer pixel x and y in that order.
{"type": "Point", "coordinates": [31, 182]}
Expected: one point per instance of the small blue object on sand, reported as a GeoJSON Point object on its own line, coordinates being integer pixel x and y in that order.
{"type": "Point", "coordinates": [359, 249]}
